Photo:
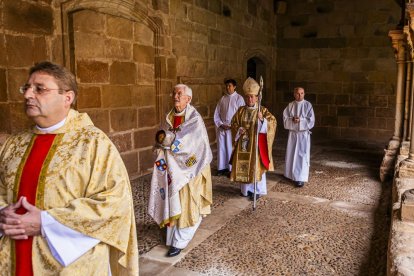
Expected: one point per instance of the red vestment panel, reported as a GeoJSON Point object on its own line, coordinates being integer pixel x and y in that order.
{"type": "Point", "coordinates": [263, 150]}
{"type": "Point", "coordinates": [27, 188]}
{"type": "Point", "coordinates": [178, 120]}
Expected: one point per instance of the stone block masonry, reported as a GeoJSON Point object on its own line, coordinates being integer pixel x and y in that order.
{"type": "Point", "coordinates": [128, 55]}
{"type": "Point", "coordinates": [347, 63]}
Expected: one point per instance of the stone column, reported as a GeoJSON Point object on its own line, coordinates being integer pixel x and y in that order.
{"type": "Point", "coordinates": [410, 42]}
{"type": "Point", "coordinates": [406, 167]}
{"type": "Point", "coordinates": [411, 113]}
{"type": "Point", "coordinates": [407, 102]}
{"type": "Point", "coordinates": [406, 137]}
{"type": "Point", "coordinates": [398, 44]}
{"type": "Point", "coordinates": [408, 30]}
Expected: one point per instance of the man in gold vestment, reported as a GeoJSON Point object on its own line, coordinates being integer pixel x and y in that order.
{"type": "Point", "coordinates": [65, 197]}
{"type": "Point", "coordinates": [244, 127]}
{"type": "Point", "coordinates": [181, 191]}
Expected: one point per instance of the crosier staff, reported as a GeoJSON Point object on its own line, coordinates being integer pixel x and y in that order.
{"type": "Point", "coordinates": [259, 103]}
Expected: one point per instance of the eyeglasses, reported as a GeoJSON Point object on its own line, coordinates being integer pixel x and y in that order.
{"type": "Point", "coordinates": [37, 89]}
{"type": "Point", "coordinates": [178, 94]}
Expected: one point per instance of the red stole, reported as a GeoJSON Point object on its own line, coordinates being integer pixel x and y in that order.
{"type": "Point", "coordinates": [263, 150]}
{"type": "Point", "coordinates": [28, 188]}
{"type": "Point", "coordinates": [178, 120]}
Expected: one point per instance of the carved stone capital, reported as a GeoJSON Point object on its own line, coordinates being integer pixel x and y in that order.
{"type": "Point", "coordinates": [408, 32]}
{"type": "Point", "coordinates": [398, 39]}
{"type": "Point", "coordinates": [409, 10]}
{"type": "Point", "coordinates": [394, 144]}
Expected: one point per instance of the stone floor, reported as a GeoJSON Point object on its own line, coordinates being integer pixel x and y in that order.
{"type": "Point", "coordinates": [337, 224]}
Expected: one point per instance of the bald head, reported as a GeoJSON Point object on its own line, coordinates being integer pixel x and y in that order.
{"type": "Point", "coordinates": [299, 94]}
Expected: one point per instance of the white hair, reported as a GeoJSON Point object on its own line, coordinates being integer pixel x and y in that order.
{"type": "Point", "coordinates": [187, 90]}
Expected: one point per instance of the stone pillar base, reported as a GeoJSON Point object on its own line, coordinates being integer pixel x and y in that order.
{"type": "Point", "coordinates": [406, 169]}
{"type": "Point", "coordinates": [405, 148]}
{"type": "Point", "coordinates": [388, 162]}
{"type": "Point", "coordinates": [399, 187]}
{"type": "Point", "coordinates": [407, 206]}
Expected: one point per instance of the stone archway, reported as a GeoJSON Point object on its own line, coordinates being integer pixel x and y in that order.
{"type": "Point", "coordinates": [113, 47]}
{"type": "Point", "coordinates": [129, 10]}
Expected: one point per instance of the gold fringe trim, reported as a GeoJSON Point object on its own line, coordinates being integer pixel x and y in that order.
{"type": "Point", "coordinates": [40, 187]}
{"type": "Point", "coordinates": [20, 169]}
{"type": "Point", "coordinates": [13, 257]}
{"type": "Point", "coordinates": [170, 219]}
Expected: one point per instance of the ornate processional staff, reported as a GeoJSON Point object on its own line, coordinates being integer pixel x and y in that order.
{"type": "Point", "coordinates": [256, 148]}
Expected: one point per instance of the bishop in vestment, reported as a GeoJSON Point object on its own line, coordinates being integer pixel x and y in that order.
{"type": "Point", "coordinates": [181, 188]}
{"type": "Point", "coordinates": [247, 162]}
{"type": "Point", "coordinates": [65, 197]}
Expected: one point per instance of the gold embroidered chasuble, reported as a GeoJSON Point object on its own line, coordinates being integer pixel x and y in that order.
{"type": "Point", "coordinates": [243, 157]}
{"type": "Point", "coordinates": [83, 185]}
{"type": "Point", "coordinates": [196, 199]}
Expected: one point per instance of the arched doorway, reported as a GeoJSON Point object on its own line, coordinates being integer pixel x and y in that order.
{"type": "Point", "coordinates": [256, 68]}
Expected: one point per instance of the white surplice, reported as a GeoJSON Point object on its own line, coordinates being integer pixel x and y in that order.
{"type": "Point", "coordinates": [225, 109]}
{"type": "Point", "coordinates": [298, 147]}
{"type": "Point", "coordinates": [66, 244]}
{"type": "Point", "coordinates": [181, 237]}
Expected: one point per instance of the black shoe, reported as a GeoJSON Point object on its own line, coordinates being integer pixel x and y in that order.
{"type": "Point", "coordinates": [222, 172]}
{"type": "Point", "coordinates": [241, 194]}
{"type": "Point", "coordinates": [252, 197]}
{"type": "Point", "coordinates": [299, 184]}
{"type": "Point", "coordinates": [173, 251]}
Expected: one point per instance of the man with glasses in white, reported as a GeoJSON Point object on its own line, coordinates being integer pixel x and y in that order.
{"type": "Point", "coordinates": [181, 188]}
{"type": "Point", "coordinates": [65, 198]}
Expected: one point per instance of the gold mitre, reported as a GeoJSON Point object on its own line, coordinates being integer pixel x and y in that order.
{"type": "Point", "coordinates": [251, 87]}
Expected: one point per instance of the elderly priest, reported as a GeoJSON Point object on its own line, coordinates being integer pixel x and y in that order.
{"type": "Point", "coordinates": [181, 191]}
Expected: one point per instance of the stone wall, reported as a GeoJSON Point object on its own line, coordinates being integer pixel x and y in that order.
{"type": "Point", "coordinates": [26, 32]}
{"type": "Point", "coordinates": [114, 64]}
{"type": "Point", "coordinates": [128, 55]}
{"type": "Point", "coordinates": [212, 41]}
{"type": "Point", "coordinates": [339, 51]}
